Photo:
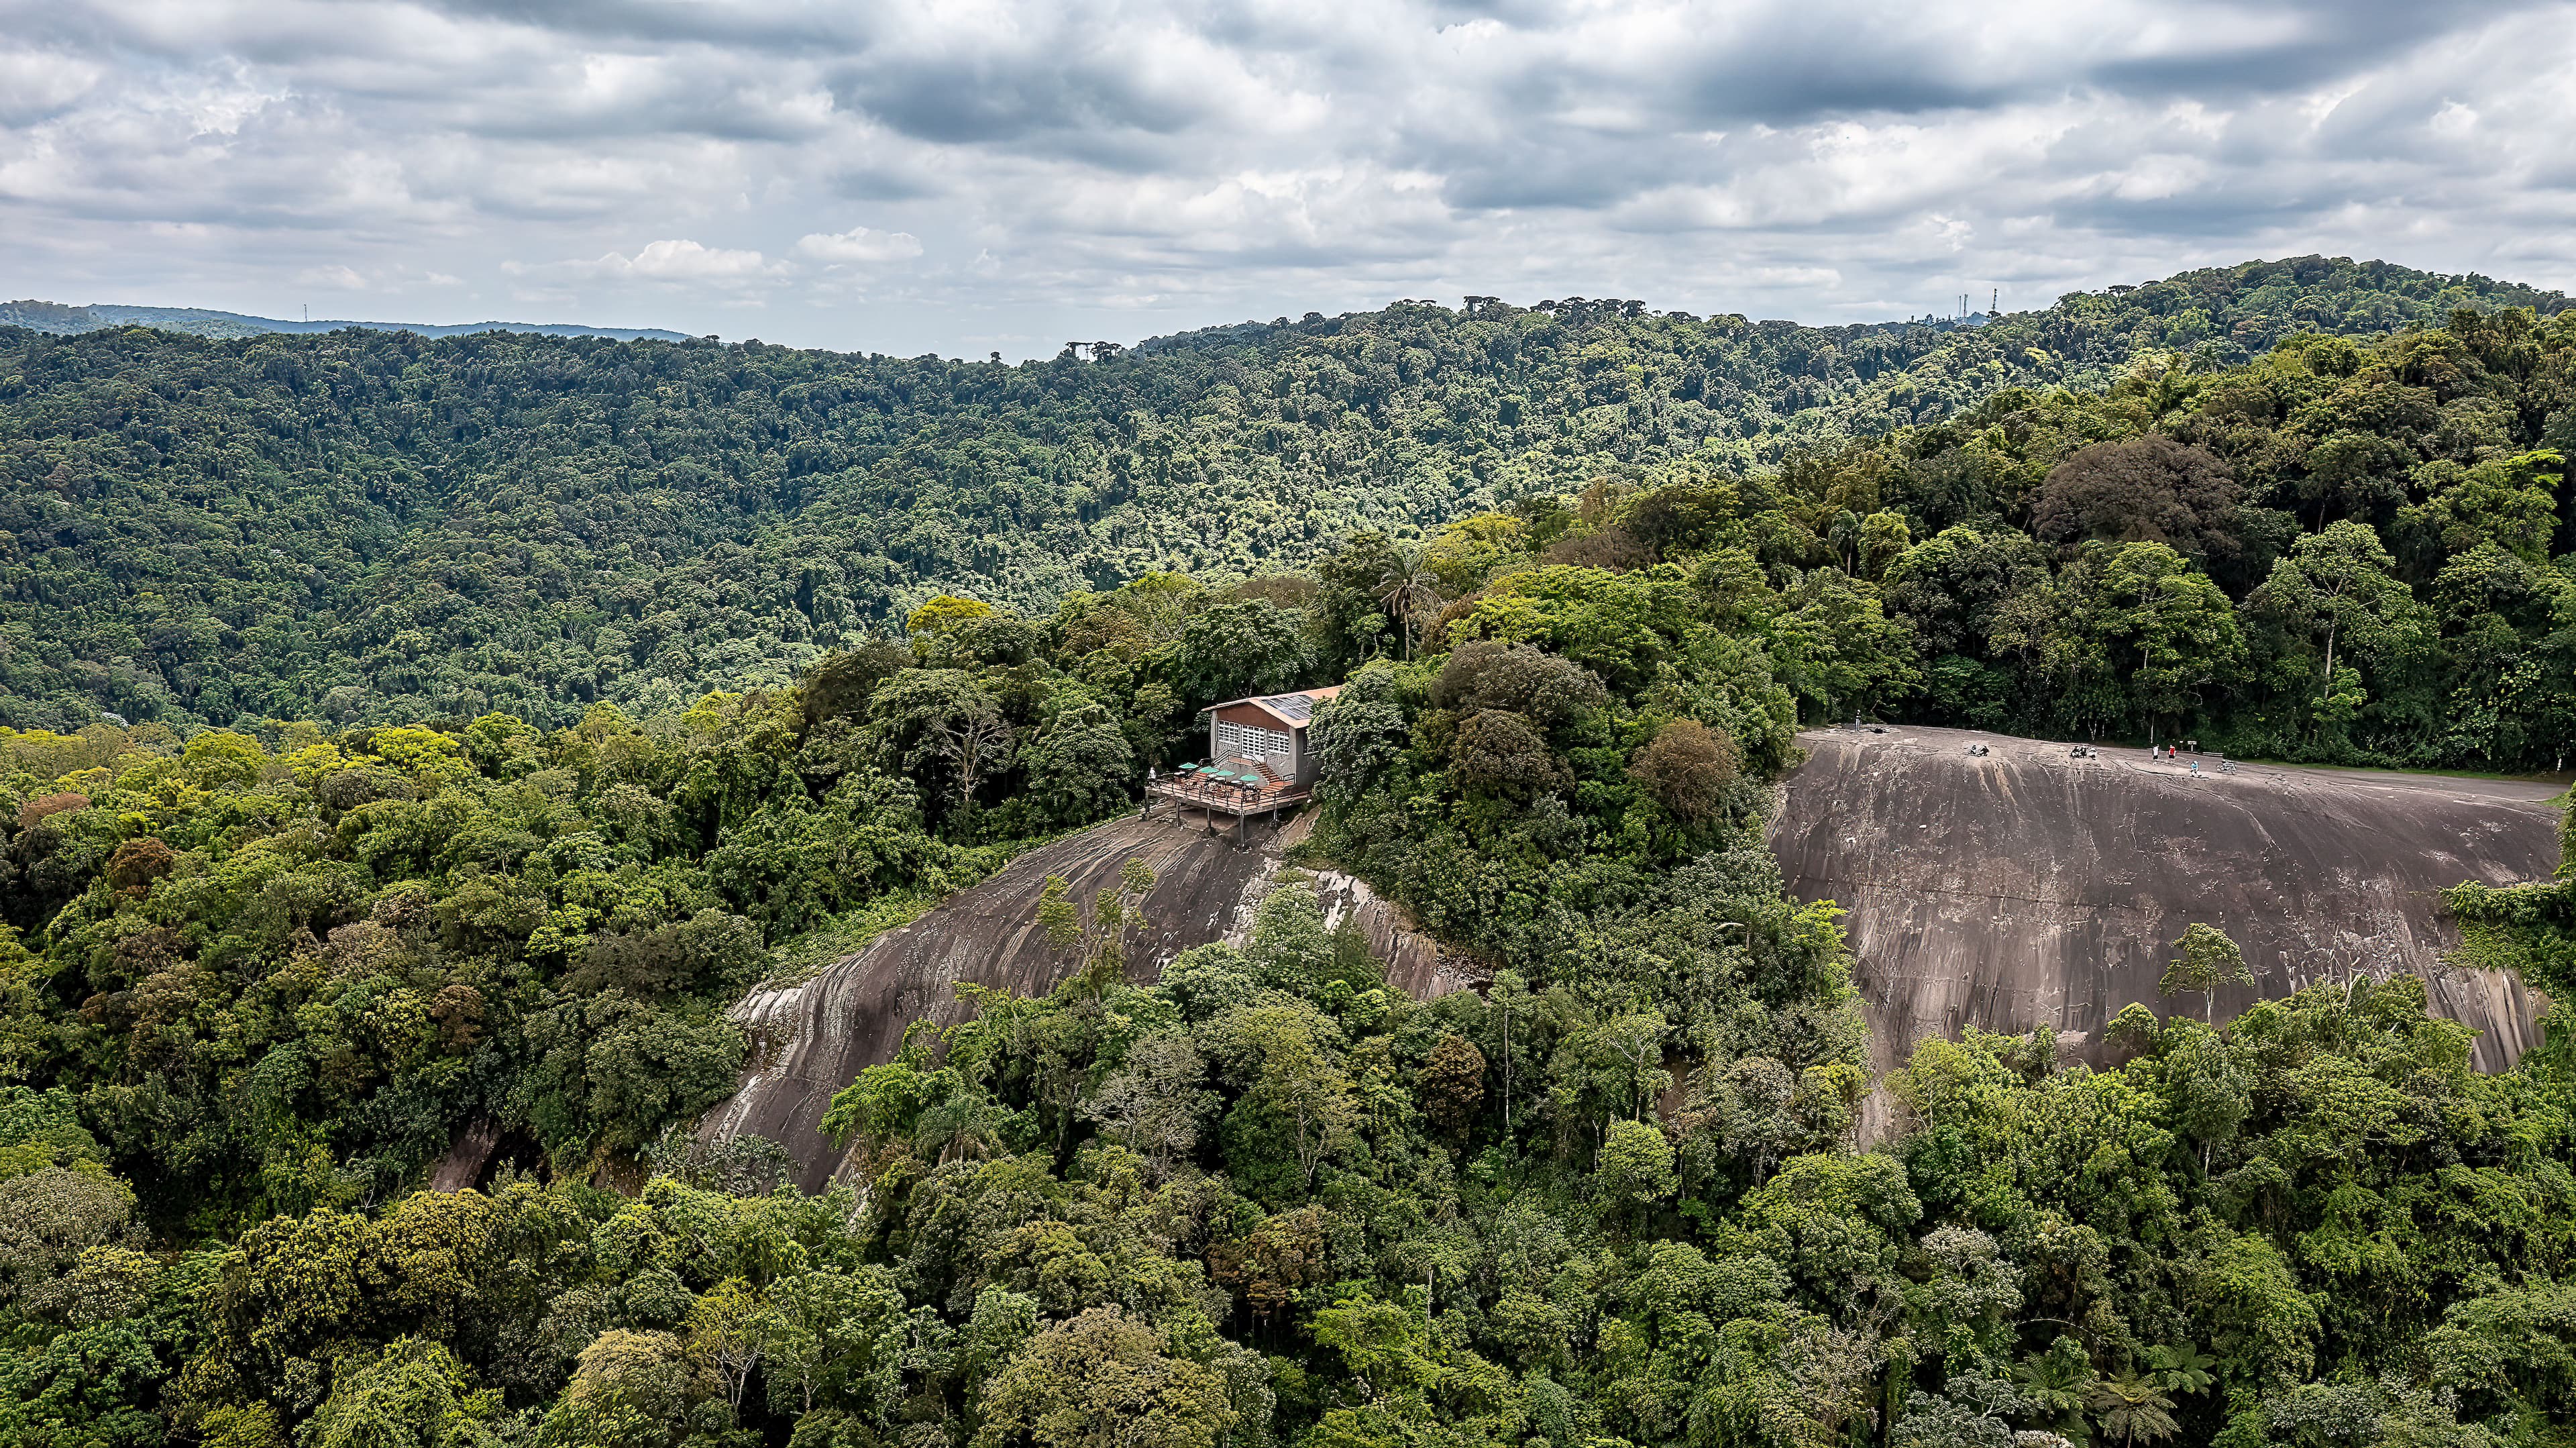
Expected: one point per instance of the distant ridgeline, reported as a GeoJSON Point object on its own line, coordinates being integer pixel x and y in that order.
{"type": "Point", "coordinates": [62, 320]}
{"type": "Point", "coordinates": [383, 525]}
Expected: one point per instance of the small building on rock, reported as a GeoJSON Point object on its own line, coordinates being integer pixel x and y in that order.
{"type": "Point", "coordinates": [1269, 732]}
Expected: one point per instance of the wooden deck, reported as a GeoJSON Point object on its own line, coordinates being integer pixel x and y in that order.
{"type": "Point", "coordinates": [1236, 803]}
{"type": "Point", "coordinates": [1229, 799]}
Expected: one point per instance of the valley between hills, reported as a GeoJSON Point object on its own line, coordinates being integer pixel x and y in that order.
{"type": "Point", "coordinates": [1524, 875]}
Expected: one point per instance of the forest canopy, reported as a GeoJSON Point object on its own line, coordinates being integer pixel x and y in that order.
{"type": "Point", "coordinates": [481, 852]}
{"type": "Point", "coordinates": [378, 527]}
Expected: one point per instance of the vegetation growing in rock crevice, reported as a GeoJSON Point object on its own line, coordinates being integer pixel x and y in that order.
{"type": "Point", "coordinates": [282, 969]}
{"type": "Point", "coordinates": [252, 981]}
{"type": "Point", "coordinates": [1261, 1202]}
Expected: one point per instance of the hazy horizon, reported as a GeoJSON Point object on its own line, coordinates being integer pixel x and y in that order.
{"type": "Point", "coordinates": [922, 178]}
{"type": "Point", "coordinates": [1978, 304]}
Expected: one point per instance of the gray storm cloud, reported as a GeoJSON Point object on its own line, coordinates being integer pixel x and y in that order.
{"type": "Point", "coordinates": [912, 176]}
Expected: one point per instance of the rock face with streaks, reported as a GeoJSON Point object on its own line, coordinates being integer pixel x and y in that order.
{"type": "Point", "coordinates": [2025, 887]}
{"type": "Point", "coordinates": [2009, 890]}
{"type": "Point", "coordinates": [812, 1038]}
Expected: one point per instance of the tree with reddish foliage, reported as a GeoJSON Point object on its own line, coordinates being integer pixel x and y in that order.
{"type": "Point", "coordinates": [38, 808]}
{"type": "Point", "coordinates": [2147, 490]}
{"type": "Point", "coordinates": [1451, 1084]}
{"type": "Point", "coordinates": [137, 863]}
{"type": "Point", "coordinates": [1687, 768]}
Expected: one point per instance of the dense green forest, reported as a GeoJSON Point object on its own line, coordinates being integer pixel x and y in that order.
{"type": "Point", "coordinates": [254, 980]}
{"type": "Point", "coordinates": [382, 528]}
{"type": "Point", "coordinates": [2363, 553]}
{"type": "Point", "coordinates": [1263, 1201]}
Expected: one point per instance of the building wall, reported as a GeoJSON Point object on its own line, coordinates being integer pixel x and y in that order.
{"type": "Point", "coordinates": [1251, 732]}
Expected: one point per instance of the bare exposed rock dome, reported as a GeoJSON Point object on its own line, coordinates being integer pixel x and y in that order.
{"type": "Point", "coordinates": [2025, 887]}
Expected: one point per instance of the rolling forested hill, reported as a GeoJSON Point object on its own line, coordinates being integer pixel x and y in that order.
{"type": "Point", "coordinates": [38, 316]}
{"type": "Point", "coordinates": [254, 984]}
{"type": "Point", "coordinates": [381, 526]}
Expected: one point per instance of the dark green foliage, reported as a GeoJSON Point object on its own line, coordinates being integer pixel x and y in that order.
{"type": "Point", "coordinates": [378, 526]}
{"type": "Point", "coordinates": [1270, 1201]}
{"type": "Point", "coordinates": [2349, 552]}
{"type": "Point", "coordinates": [251, 983]}
{"type": "Point", "coordinates": [283, 971]}
{"type": "Point", "coordinates": [1541, 791]}
{"type": "Point", "coordinates": [2529, 929]}
{"type": "Point", "coordinates": [1231, 650]}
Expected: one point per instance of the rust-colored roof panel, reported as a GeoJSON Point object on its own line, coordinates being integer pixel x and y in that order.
{"type": "Point", "coordinates": [1296, 710]}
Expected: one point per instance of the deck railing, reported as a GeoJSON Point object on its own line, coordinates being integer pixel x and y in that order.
{"type": "Point", "coordinates": [1232, 798]}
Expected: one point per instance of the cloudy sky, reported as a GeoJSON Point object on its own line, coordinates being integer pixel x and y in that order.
{"type": "Point", "coordinates": [970, 176]}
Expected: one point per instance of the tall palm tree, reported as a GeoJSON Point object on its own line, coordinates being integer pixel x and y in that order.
{"type": "Point", "coordinates": [1409, 589]}
{"type": "Point", "coordinates": [960, 1127]}
{"type": "Point", "coordinates": [2131, 1408]}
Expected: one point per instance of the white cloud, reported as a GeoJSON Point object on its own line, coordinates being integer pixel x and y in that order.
{"type": "Point", "coordinates": [1051, 168]}
{"type": "Point", "coordinates": [685, 262]}
{"type": "Point", "coordinates": [35, 84]}
{"type": "Point", "coordinates": [858, 246]}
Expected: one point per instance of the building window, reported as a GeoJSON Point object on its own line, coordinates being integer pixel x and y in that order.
{"type": "Point", "coordinates": [1250, 741]}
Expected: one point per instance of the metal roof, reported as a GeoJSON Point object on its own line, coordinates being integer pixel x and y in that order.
{"type": "Point", "coordinates": [1295, 710]}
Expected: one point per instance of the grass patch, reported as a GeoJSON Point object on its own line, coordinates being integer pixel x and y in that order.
{"type": "Point", "coordinates": [794, 959]}
{"type": "Point", "coordinates": [798, 957]}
